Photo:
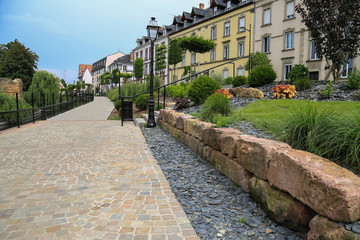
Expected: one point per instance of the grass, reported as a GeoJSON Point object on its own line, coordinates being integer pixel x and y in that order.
{"type": "Point", "coordinates": [328, 129]}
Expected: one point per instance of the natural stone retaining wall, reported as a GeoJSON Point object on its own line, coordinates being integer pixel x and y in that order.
{"type": "Point", "coordinates": [12, 86]}
{"type": "Point", "coordinates": [295, 188]}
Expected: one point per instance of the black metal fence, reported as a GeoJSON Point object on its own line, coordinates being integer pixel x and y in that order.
{"type": "Point", "coordinates": [21, 115]}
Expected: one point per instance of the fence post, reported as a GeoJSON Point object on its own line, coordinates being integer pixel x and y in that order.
{"type": "Point", "coordinates": [158, 92]}
{"type": "Point", "coordinates": [44, 106]}
{"type": "Point", "coordinates": [32, 105]}
{"type": "Point", "coordinates": [17, 110]}
{"type": "Point", "coordinates": [53, 99]}
{"type": "Point", "coordinates": [72, 100]}
{"type": "Point", "coordinates": [164, 96]}
{"type": "Point", "coordinates": [60, 108]}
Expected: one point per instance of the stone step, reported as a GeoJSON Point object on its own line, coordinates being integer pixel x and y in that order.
{"type": "Point", "coordinates": [146, 116]}
{"type": "Point", "coordinates": [139, 121]}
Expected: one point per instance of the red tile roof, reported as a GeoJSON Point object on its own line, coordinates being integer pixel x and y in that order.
{"type": "Point", "coordinates": [82, 69]}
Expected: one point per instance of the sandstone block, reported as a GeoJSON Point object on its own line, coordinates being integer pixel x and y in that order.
{"type": "Point", "coordinates": [183, 137]}
{"type": "Point", "coordinates": [173, 116]}
{"type": "Point", "coordinates": [162, 115]}
{"type": "Point", "coordinates": [231, 169]}
{"type": "Point", "coordinates": [192, 143]}
{"type": "Point", "coordinates": [188, 125]}
{"type": "Point", "coordinates": [214, 136]}
{"type": "Point", "coordinates": [167, 115]}
{"type": "Point", "coordinates": [329, 189]}
{"type": "Point", "coordinates": [325, 229]}
{"type": "Point", "coordinates": [247, 92]}
{"type": "Point", "coordinates": [200, 148]}
{"type": "Point", "coordinates": [228, 145]}
{"type": "Point", "coordinates": [255, 154]}
{"type": "Point", "coordinates": [281, 206]}
{"type": "Point", "coordinates": [206, 154]}
{"type": "Point", "coordinates": [198, 129]}
{"type": "Point", "coordinates": [180, 121]}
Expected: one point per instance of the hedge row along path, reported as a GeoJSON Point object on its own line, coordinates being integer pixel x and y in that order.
{"type": "Point", "coordinates": [79, 176]}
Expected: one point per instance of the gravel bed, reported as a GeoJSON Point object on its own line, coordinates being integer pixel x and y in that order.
{"type": "Point", "coordinates": [216, 207]}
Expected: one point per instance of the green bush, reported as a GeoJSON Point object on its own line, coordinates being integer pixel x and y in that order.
{"type": "Point", "coordinates": [201, 88]}
{"type": "Point", "coordinates": [299, 71]}
{"type": "Point", "coordinates": [113, 94]}
{"type": "Point", "coordinates": [354, 79]}
{"type": "Point", "coordinates": [238, 81]}
{"type": "Point", "coordinates": [142, 101]}
{"type": "Point", "coordinates": [8, 103]}
{"type": "Point", "coordinates": [327, 91]}
{"type": "Point", "coordinates": [303, 84]}
{"type": "Point", "coordinates": [179, 90]}
{"type": "Point", "coordinates": [228, 81]}
{"type": "Point", "coordinates": [261, 75]}
{"type": "Point", "coordinates": [214, 105]}
{"type": "Point", "coordinates": [117, 105]}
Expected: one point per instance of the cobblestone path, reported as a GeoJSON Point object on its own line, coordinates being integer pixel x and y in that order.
{"type": "Point", "coordinates": [85, 180]}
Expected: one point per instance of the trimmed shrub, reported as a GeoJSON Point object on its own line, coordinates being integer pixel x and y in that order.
{"type": "Point", "coordinates": [299, 71]}
{"type": "Point", "coordinates": [214, 105]}
{"type": "Point", "coordinates": [261, 75]}
{"type": "Point", "coordinates": [238, 81]}
{"type": "Point", "coordinates": [142, 101]}
{"type": "Point", "coordinates": [303, 84]}
{"type": "Point", "coordinates": [179, 90]}
{"type": "Point", "coordinates": [201, 88]}
{"type": "Point", "coordinates": [228, 81]}
{"type": "Point", "coordinates": [117, 105]}
{"type": "Point", "coordinates": [8, 103]}
{"type": "Point", "coordinates": [354, 79]}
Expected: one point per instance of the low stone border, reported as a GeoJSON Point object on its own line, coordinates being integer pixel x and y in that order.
{"type": "Point", "coordinates": [295, 188]}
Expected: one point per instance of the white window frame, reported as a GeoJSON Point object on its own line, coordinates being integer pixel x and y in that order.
{"type": "Point", "coordinates": [226, 29]}
{"type": "Point", "coordinates": [241, 48]}
{"type": "Point", "coordinates": [242, 24]}
{"type": "Point", "coordinates": [267, 16]}
{"type": "Point", "coordinates": [226, 50]}
{"type": "Point", "coordinates": [345, 74]}
{"type": "Point", "coordinates": [266, 44]}
{"type": "Point", "coordinates": [287, 70]}
{"type": "Point", "coordinates": [213, 55]}
{"type": "Point", "coordinates": [227, 73]}
{"type": "Point", "coordinates": [193, 58]}
{"type": "Point", "coordinates": [313, 54]}
{"type": "Point", "coordinates": [215, 9]}
{"type": "Point", "coordinates": [228, 4]}
{"type": "Point", "coordinates": [183, 60]}
{"type": "Point", "coordinates": [240, 71]}
{"type": "Point", "coordinates": [213, 32]}
{"type": "Point", "coordinates": [289, 40]}
{"type": "Point", "coordinates": [290, 10]}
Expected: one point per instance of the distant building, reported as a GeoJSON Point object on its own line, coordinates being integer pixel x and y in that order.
{"type": "Point", "coordinates": [101, 66]}
{"type": "Point", "coordinates": [124, 64]}
{"type": "Point", "coordinates": [84, 73]}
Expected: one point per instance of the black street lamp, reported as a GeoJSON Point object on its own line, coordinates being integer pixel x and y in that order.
{"type": "Point", "coordinates": [249, 30]}
{"type": "Point", "coordinates": [119, 67]}
{"type": "Point", "coordinates": [152, 30]}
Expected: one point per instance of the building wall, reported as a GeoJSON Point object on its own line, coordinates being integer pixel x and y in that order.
{"type": "Point", "coordinates": [12, 86]}
{"type": "Point", "coordinates": [87, 78]}
{"type": "Point", "coordinates": [277, 29]}
{"type": "Point", "coordinates": [203, 61]}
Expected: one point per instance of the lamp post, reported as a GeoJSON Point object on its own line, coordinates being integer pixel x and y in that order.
{"type": "Point", "coordinates": [249, 30]}
{"type": "Point", "coordinates": [119, 67]}
{"type": "Point", "coordinates": [152, 30]}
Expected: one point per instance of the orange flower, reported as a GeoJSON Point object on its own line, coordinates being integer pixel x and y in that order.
{"type": "Point", "coordinates": [284, 91]}
{"type": "Point", "coordinates": [225, 92]}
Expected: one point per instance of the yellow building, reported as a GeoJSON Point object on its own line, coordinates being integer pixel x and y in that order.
{"type": "Point", "coordinates": [228, 23]}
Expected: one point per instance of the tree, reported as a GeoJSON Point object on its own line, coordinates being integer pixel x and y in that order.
{"type": "Point", "coordinates": [257, 59]}
{"type": "Point", "coordinates": [18, 61]}
{"type": "Point", "coordinates": [126, 76]}
{"type": "Point", "coordinates": [160, 58]}
{"type": "Point", "coordinates": [139, 68]}
{"type": "Point", "coordinates": [196, 44]}
{"type": "Point", "coordinates": [175, 53]}
{"type": "Point", "coordinates": [105, 78]}
{"type": "Point", "coordinates": [43, 84]}
{"type": "Point", "coordinates": [334, 27]}
{"type": "Point", "coordinates": [115, 74]}
{"type": "Point", "coordinates": [63, 83]}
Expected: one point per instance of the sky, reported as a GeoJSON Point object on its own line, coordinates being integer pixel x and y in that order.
{"type": "Point", "coordinates": [66, 33]}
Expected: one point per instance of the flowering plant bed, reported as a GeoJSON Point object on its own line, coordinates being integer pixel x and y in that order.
{"type": "Point", "coordinates": [284, 91]}
{"type": "Point", "coordinates": [225, 92]}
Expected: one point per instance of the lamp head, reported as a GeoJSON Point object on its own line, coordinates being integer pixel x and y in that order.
{"type": "Point", "coordinates": [152, 29]}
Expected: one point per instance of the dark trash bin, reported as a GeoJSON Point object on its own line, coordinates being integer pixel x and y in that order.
{"type": "Point", "coordinates": [126, 111]}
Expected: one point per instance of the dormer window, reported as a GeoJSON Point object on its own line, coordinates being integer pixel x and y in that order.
{"type": "Point", "coordinates": [228, 4]}
{"type": "Point", "coordinates": [215, 9]}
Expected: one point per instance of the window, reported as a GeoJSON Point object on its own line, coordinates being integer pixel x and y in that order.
{"type": "Point", "coordinates": [313, 54]}
{"type": "Point", "coordinates": [241, 24]}
{"type": "Point", "coordinates": [227, 29]}
{"type": "Point", "coordinates": [183, 61]}
{"type": "Point", "coordinates": [240, 71]}
{"type": "Point", "coordinates": [226, 73]}
{"type": "Point", "coordinates": [193, 58]}
{"type": "Point", "coordinates": [213, 32]}
{"type": "Point", "coordinates": [215, 9]}
{"type": "Point", "coordinates": [287, 69]}
{"type": "Point", "coordinates": [228, 4]}
{"type": "Point", "coordinates": [290, 10]}
{"type": "Point", "coordinates": [241, 49]}
{"type": "Point", "coordinates": [347, 68]}
{"type": "Point", "coordinates": [289, 39]}
{"type": "Point", "coordinates": [212, 74]}
{"type": "Point", "coordinates": [267, 16]}
{"type": "Point", "coordinates": [266, 44]}
{"type": "Point", "coordinates": [213, 55]}
{"type": "Point", "coordinates": [146, 54]}
{"type": "Point", "coordinates": [124, 68]}
{"type": "Point", "coordinates": [141, 54]}
{"type": "Point", "coordinates": [226, 51]}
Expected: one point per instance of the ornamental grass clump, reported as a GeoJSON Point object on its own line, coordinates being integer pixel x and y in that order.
{"type": "Point", "coordinates": [216, 104]}
{"type": "Point", "coordinates": [284, 91]}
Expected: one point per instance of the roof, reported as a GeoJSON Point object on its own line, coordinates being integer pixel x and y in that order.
{"type": "Point", "coordinates": [82, 69]}
{"type": "Point", "coordinates": [186, 16]}
{"type": "Point", "coordinates": [125, 59]}
{"type": "Point", "coordinates": [198, 12]}
{"type": "Point", "coordinates": [217, 3]}
{"type": "Point", "coordinates": [177, 20]}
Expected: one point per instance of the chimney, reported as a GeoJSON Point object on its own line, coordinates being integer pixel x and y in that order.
{"type": "Point", "coordinates": [132, 57]}
{"type": "Point", "coordinates": [201, 6]}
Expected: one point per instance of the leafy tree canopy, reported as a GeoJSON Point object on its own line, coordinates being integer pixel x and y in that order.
{"type": "Point", "coordinates": [335, 27]}
{"type": "Point", "coordinates": [257, 59]}
{"type": "Point", "coordinates": [63, 83]}
{"type": "Point", "coordinates": [175, 52]}
{"type": "Point", "coordinates": [139, 68]}
{"type": "Point", "coordinates": [160, 57]}
{"type": "Point", "coordinates": [18, 61]}
{"type": "Point", "coordinates": [126, 76]}
{"type": "Point", "coordinates": [115, 74]}
{"type": "Point", "coordinates": [105, 78]}
{"type": "Point", "coordinates": [196, 44]}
